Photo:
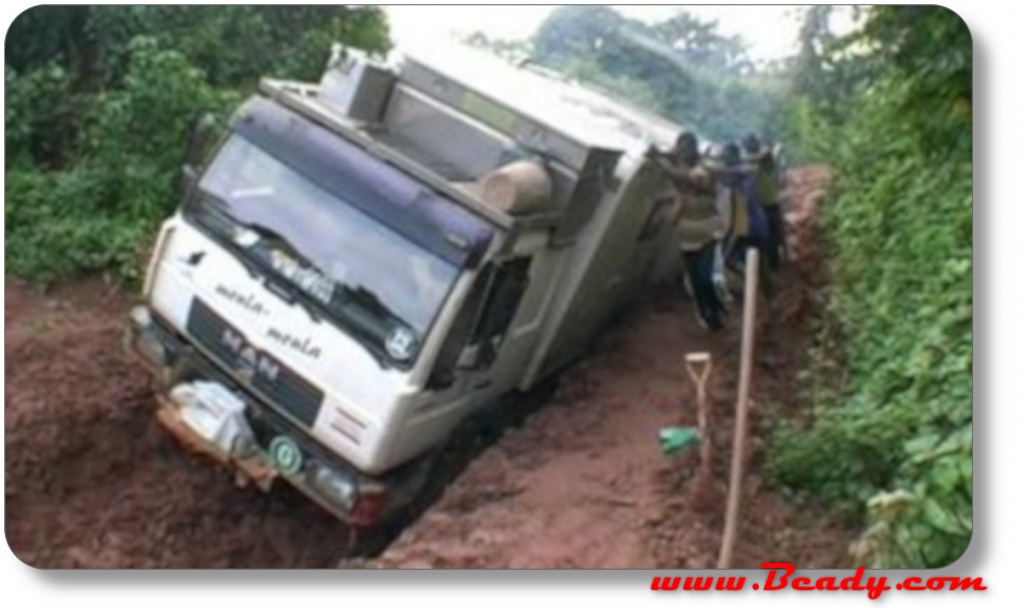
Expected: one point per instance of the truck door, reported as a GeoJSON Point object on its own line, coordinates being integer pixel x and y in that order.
{"type": "Point", "coordinates": [466, 362]}
{"type": "Point", "coordinates": [472, 367]}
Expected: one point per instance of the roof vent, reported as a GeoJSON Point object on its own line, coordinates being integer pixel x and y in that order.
{"type": "Point", "coordinates": [356, 85]}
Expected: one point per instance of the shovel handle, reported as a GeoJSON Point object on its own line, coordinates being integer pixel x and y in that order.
{"type": "Point", "coordinates": [698, 365]}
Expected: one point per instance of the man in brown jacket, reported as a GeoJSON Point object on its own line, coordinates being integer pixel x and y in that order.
{"type": "Point", "coordinates": [699, 226]}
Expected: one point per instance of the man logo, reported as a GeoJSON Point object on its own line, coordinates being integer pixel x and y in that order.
{"type": "Point", "coordinates": [249, 362]}
{"type": "Point", "coordinates": [267, 368]}
{"type": "Point", "coordinates": [232, 340]}
{"type": "Point", "coordinates": [248, 356]}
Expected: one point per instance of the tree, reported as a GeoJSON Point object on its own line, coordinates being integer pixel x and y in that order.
{"type": "Point", "coordinates": [682, 68]}
{"type": "Point", "coordinates": [233, 44]}
{"type": "Point", "coordinates": [99, 101]}
{"type": "Point", "coordinates": [700, 44]}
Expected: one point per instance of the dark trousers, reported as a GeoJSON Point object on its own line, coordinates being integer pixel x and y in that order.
{"type": "Point", "coordinates": [700, 266]}
{"type": "Point", "coordinates": [776, 236]}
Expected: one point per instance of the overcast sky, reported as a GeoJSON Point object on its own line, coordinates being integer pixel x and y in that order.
{"type": "Point", "coordinates": [770, 31]}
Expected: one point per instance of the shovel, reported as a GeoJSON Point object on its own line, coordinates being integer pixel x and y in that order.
{"type": "Point", "coordinates": [680, 438]}
{"type": "Point", "coordinates": [698, 366]}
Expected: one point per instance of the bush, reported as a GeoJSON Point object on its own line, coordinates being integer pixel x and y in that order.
{"type": "Point", "coordinates": [40, 117]}
{"type": "Point", "coordinates": [891, 383]}
{"type": "Point", "coordinates": [96, 214]}
{"type": "Point", "coordinates": [56, 225]}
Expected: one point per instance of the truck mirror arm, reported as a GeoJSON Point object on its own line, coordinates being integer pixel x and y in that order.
{"type": "Point", "coordinates": [206, 132]}
{"type": "Point", "coordinates": [189, 178]}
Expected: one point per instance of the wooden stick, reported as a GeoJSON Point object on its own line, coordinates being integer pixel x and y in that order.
{"type": "Point", "coordinates": [740, 438]}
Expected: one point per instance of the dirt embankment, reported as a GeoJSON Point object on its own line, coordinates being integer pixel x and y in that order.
{"type": "Point", "coordinates": [92, 481]}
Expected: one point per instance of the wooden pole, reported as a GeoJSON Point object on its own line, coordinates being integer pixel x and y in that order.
{"type": "Point", "coordinates": [742, 401]}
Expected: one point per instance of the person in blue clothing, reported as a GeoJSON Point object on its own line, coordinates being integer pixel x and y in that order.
{"type": "Point", "coordinates": [761, 162]}
{"type": "Point", "coordinates": [749, 225]}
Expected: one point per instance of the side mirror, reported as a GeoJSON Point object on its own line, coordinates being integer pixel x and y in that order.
{"type": "Point", "coordinates": [205, 132]}
{"type": "Point", "coordinates": [189, 179]}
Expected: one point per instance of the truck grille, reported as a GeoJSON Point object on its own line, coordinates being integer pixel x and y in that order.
{"type": "Point", "coordinates": [252, 367]}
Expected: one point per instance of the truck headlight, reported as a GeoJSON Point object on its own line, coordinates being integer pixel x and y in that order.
{"type": "Point", "coordinates": [145, 339]}
{"type": "Point", "coordinates": [332, 485]}
{"type": "Point", "coordinates": [140, 316]}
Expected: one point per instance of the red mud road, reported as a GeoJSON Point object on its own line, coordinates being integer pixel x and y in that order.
{"type": "Point", "coordinates": [92, 481]}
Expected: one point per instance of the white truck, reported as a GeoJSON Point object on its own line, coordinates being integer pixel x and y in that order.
{"type": "Point", "coordinates": [360, 264]}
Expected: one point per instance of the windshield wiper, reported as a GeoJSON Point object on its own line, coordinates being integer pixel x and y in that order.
{"type": "Point", "coordinates": [256, 269]}
{"type": "Point", "coordinates": [369, 300]}
{"type": "Point", "coordinates": [371, 303]}
{"type": "Point", "coordinates": [289, 297]}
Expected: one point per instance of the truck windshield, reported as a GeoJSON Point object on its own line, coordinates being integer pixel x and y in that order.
{"type": "Point", "coordinates": [366, 277]}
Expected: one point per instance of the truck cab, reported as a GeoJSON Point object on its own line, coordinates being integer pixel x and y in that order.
{"type": "Point", "coordinates": [360, 264]}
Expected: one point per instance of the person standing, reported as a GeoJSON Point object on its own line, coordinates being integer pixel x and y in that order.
{"type": "Point", "coordinates": [764, 168]}
{"type": "Point", "coordinates": [748, 225]}
{"type": "Point", "coordinates": [699, 227]}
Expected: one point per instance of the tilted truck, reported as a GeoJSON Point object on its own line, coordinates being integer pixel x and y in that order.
{"type": "Point", "coordinates": [359, 265]}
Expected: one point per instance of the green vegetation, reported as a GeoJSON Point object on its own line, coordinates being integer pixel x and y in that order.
{"type": "Point", "coordinates": [681, 68]}
{"type": "Point", "coordinates": [889, 108]}
{"type": "Point", "coordinates": [99, 104]}
{"type": "Point", "coordinates": [891, 385]}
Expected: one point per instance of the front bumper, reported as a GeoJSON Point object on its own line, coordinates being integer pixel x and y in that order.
{"type": "Point", "coordinates": [253, 468]}
{"type": "Point", "coordinates": [324, 477]}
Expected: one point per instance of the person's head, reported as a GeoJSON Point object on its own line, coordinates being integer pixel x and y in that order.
{"type": "Point", "coordinates": [729, 160]}
{"type": "Point", "coordinates": [686, 148]}
{"type": "Point", "coordinates": [731, 155]}
{"type": "Point", "coordinates": [751, 144]}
